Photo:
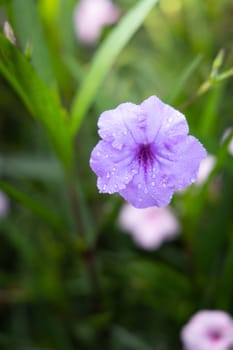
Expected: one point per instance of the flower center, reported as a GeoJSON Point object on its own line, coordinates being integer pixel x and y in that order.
{"type": "Point", "coordinates": [145, 155]}
{"type": "Point", "coordinates": [214, 335]}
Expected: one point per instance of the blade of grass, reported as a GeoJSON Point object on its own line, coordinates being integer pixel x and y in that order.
{"type": "Point", "coordinates": [34, 206]}
{"type": "Point", "coordinates": [38, 98]}
{"type": "Point", "coordinates": [186, 74]}
{"type": "Point", "coordinates": [29, 31]}
{"type": "Point", "coordinates": [128, 340]}
{"type": "Point", "coordinates": [209, 122]}
{"type": "Point", "coordinates": [104, 58]}
{"type": "Point", "coordinates": [29, 167]}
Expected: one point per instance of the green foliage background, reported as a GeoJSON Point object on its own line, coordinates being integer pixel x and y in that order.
{"type": "Point", "coordinates": [69, 277]}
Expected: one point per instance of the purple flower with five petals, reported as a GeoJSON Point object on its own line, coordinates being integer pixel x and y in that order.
{"type": "Point", "coordinates": [145, 153]}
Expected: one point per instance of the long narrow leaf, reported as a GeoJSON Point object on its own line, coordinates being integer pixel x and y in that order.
{"type": "Point", "coordinates": [29, 31]}
{"type": "Point", "coordinates": [40, 101]}
{"type": "Point", "coordinates": [29, 167]}
{"type": "Point", "coordinates": [188, 71]}
{"type": "Point", "coordinates": [104, 59]}
{"type": "Point", "coordinates": [34, 206]}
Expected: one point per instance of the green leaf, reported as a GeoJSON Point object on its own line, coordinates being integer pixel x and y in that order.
{"type": "Point", "coordinates": [209, 122]}
{"type": "Point", "coordinates": [30, 167]}
{"type": "Point", "coordinates": [65, 22]}
{"type": "Point", "coordinates": [40, 101]}
{"type": "Point", "coordinates": [19, 241]}
{"type": "Point", "coordinates": [105, 57]}
{"type": "Point", "coordinates": [34, 206]}
{"type": "Point", "coordinates": [29, 30]}
{"type": "Point", "coordinates": [163, 287]}
{"type": "Point", "coordinates": [226, 282]}
{"type": "Point", "coordinates": [185, 75]}
{"type": "Point", "coordinates": [123, 339]}
{"type": "Point", "coordinates": [225, 75]}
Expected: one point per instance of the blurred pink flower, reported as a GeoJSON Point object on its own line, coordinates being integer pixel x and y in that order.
{"type": "Point", "coordinates": [90, 16]}
{"type": "Point", "coordinates": [208, 330]}
{"type": "Point", "coordinates": [149, 227]}
{"type": "Point", "coordinates": [4, 204]}
{"type": "Point", "coordinates": [205, 169]}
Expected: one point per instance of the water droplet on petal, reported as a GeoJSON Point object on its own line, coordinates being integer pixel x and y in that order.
{"type": "Point", "coordinates": [107, 175]}
{"type": "Point", "coordinates": [153, 183]}
{"type": "Point", "coordinates": [104, 187]}
{"type": "Point", "coordinates": [139, 186]}
{"type": "Point", "coordinates": [145, 190]}
{"type": "Point", "coordinates": [98, 154]}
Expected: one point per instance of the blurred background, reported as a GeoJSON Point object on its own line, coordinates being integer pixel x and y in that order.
{"type": "Point", "coordinates": [55, 291]}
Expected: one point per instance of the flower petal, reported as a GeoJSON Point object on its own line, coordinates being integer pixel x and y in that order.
{"type": "Point", "coordinates": [114, 168]}
{"type": "Point", "coordinates": [122, 126]}
{"type": "Point", "coordinates": [179, 160]}
{"type": "Point", "coordinates": [162, 120]}
{"type": "Point", "coordinates": [147, 190]}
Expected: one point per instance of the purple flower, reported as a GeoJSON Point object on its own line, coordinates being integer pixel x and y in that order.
{"type": "Point", "coordinates": [149, 227]}
{"type": "Point", "coordinates": [145, 153]}
{"type": "Point", "coordinates": [208, 330]}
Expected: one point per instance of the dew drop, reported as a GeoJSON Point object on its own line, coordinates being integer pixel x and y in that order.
{"type": "Point", "coordinates": [153, 183]}
{"type": "Point", "coordinates": [170, 119]}
{"type": "Point", "coordinates": [98, 154]}
{"type": "Point", "coordinates": [139, 186]}
{"type": "Point", "coordinates": [104, 187]}
{"type": "Point", "coordinates": [145, 190]}
{"type": "Point", "coordinates": [153, 176]}
{"type": "Point", "coordinates": [107, 175]}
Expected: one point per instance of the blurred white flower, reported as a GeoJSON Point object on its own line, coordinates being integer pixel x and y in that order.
{"type": "Point", "coordinates": [208, 330]}
{"type": "Point", "coordinates": [90, 16]}
{"type": "Point", "coordinates": [9, 33]}
{"type": "Point", "coordinates": [225, 135]}
{"type": "Point", "coordinates": [149, 227]}
{"type": "Point", "coordinates": [205, 169]}
{"type": "Point", "coordinates": [4, 204]}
